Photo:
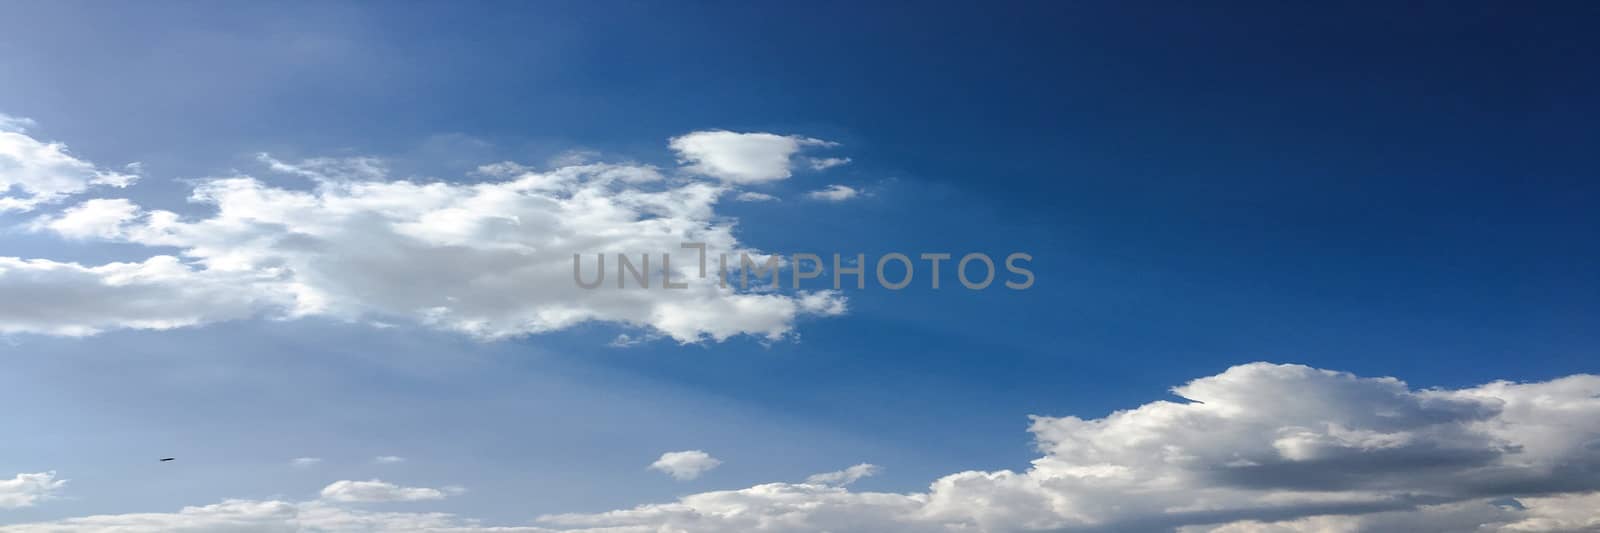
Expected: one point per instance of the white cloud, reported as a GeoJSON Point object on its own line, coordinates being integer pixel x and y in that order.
{"type": "Point", "coordinates": [1263, 448]}
{"type": "Point", "coordinates": [1262, 441]}
{"type": "Point", "coordinates": [18, 124]}
{"type": "Point", "coordinates": [377, 491]}
{"type": "Point", "coordinates": [685, 465]}
{"type": "Point", "coordinates": [25, 490]}
{"type": "Point", "coordinates": [99, 218]}
{"type": "Point", "coordinates": [34, 172]}
{"type": "Point", "coordinates": [741, 157]}
{"type": "Point", "coordinates": [388, 459]}
{"type": "Point", "coordinates": [1568, 513]}
{"type": "Point", "coordinates": [270, 516]}
{"type": "Point", "coordinates": [834, 193]}
{"type": "Point", "coordinates": [161, 292]}
{"type": "Point", "coordinates": [751, 196]}
{"type": "Point", "coordinates": [844, 477]}
{"type": "Point", "coordinates": [574, 157]}
{"type": "Point", "coordinates": [330, 168]}
{"type": "Point", "coordinates": [827, 162]}
{"type": "Point", "coordinates": [491, 259]}
{"type": "Point", "coordinates": [305, 462]}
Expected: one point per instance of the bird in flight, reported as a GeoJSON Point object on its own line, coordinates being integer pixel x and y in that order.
{"type": "Point", "coordinates": [165, 459]}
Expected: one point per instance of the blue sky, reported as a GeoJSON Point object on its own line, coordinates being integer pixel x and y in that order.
{"type": "Point", "coordinates": [1388, 191]}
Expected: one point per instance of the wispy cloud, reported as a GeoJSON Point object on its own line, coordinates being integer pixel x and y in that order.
{"type": "Point", "coordinates": [844, 477]}
{"type": "Point", "coordinates": [377, 491]}
{"type": "Point", "coordinates": [35, 172]}
{"type": "Point", "coordinates": [827, 162]}
{"type": "Point", "coordinates": [26, 490]}
{"type": "Point", "coordinates": [751, 196]}
{"type": "Point", "coordinates": [834, 193]}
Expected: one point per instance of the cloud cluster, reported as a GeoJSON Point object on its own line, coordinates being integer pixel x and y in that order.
{"type": "Point", "coordinates": [685, 465]}
{"type": "Point", "coordinates": [34, 172]}
{"type": "Point", "coordinates": [1259, 445]}
{"type": "Point", "coordinates": [492, 258]}
{"type": "Point", "coordinates": [25, 490]}
{"type": "Point", "coordinates": [1258, 448]}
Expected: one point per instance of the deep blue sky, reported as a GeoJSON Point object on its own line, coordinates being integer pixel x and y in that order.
{"type": "Point", "coordinates": [1389, 190]}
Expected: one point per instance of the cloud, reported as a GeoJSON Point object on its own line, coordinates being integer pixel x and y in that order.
{"type": "Point", "coordinates": [305, 462]}
{"type": "Point", "coordinates": [34, 172]}
{"type": "Point", "coordinates": [685, 465]}
{"type": "Point", "coordinates": [388, 459]}
{"type": "Point", "coordinates": [493, 258]}
{"type": "Point", "coordinates": [161, 292]}
{"type": "Point", "coordinates": [827, 162]}
{"type": "Point", "coordinates": [1259, 442]}
{"type": "Point", "coordinates": [1570, 513]}
{"type": "Point", "coordinates": [1259, 448]}
{"type": "Point", "coordinates": [16, 124]}
{"type": "Point", "coordinates": [377, 491]}
{"type": "Point", "coordinates": [751, 196]}
{"type": "Point", "coordinates": [834, 193]}
{"type": "Point", "coordinates": [844, 477]}
{"type": "Point", "coordinates": [25, 490]}
{"type": "Point", "coordinates": [574, 157]}
{"type": "Point", "coordinates": [330, 168]}
{"type": "Point", "coordinates": [99, 218]}
{"type": "Point", "coordinates": [741, 158]}
{"type": "Point", "coordinates": [268, 516]}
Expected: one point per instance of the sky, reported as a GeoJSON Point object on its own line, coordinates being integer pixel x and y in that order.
{"type": "Point", "coordinates": [1295, 268]}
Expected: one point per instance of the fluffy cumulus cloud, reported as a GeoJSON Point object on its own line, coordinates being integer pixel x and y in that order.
{"type": "Point", "coordinates": [1258, 448]}
{"type": "Point", "coordinates": [744, 158]}
{"type": "Point", "coordinates": [377, 491]}
{"type": "Point", "coordinates": [34, 172]}
{"type": "Point", "coordinates": [834, 193]}
{"type": "Point", "coordinates": [25, 490]}
{"type": "Point", "coordinates": [685, 465]}
{"type": "Point", "coordinates": [338, 238]}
